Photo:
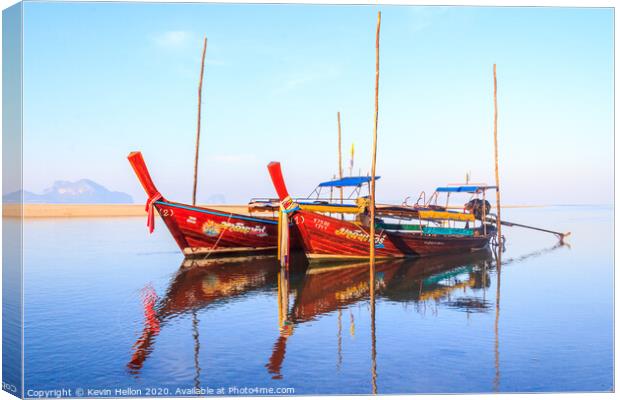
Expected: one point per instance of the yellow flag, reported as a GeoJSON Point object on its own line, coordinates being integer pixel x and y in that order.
{"type": "Point", "coordinates": [352, 157]}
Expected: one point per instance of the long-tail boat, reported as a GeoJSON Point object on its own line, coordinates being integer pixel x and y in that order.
{"type": "Point", "coordinates": [206, 232]}
{"type": "Point", "coordinates": [327, 238]}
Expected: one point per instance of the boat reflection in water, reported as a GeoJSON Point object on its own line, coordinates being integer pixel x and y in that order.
{"type": "Point", "coordinates": [427, 282]}
{"type": "Point", "coordinates": [327, 289]}
{"type": "Point", "coordinates": [196, 285]}
{"type": "Point", "coordinates": [306, 293]}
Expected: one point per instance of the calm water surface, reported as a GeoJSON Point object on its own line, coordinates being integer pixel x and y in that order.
{"type": "Point", "coordinates": [109, 307]}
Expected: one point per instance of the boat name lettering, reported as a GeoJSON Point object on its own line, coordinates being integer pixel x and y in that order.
{"type": "Point", "coordinates": [242, 228]}
{"type": "Point", "coordinates": [359, 235]}
{"type": "Point", "coordinates": [321, 224]}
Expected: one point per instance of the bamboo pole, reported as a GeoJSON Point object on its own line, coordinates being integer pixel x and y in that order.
{"type": "Point", "coordinates": [497, 196]}
{"type": "Point", "coordinates": [560, 235]}
{"type": "Point", "coordinates": [340, 156]}
{"type": "Point", "coordinates": [374, 156]}
{"type": "Point", "coordinates": [202, 69]}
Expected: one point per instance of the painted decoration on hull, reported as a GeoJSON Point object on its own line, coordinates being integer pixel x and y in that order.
{"type": "Point", "coordinates": [208, 229]}
{"type": "Point", "coordinates": [214, 229]}
{"type": "Point", "coordinates": [326, 237]}
{"type": "Point", "coordinates": [347, 232]}
{"type": "Point", "coordinates": [211, 228]}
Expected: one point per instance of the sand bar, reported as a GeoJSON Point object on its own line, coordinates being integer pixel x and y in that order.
{"type": "Point", "coordinates": [116, 210]}
{"type": "Point", "coordinates": [98, 210]}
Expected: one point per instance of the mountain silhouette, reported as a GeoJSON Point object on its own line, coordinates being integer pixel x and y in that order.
{"type": "Point", "coordinates": [83, 191]}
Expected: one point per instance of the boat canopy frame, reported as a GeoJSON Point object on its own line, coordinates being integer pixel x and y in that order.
{"type": "Point", "coordinates": [355, 182]}
{"type": "Point", "coordinates": [474, 190]}
{"type": "Point", "coordinates": [314, 198]}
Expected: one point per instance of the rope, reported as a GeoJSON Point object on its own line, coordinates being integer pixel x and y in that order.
{"type": "Point", "coordinates": [218, 238]}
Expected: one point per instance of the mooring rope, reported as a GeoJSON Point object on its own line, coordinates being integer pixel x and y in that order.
{"type": "Point", "coordinates": [218, 238]}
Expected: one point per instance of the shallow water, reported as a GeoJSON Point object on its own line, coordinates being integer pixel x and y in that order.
{"type": "Point", "coordinates": [108, 307]}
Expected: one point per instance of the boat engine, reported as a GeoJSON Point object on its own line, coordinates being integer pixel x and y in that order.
{"type": "Point", "coordinates": [478, 207]}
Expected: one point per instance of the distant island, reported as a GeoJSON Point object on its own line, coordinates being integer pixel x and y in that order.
{"type": "Point", "coordinates": [83, 191]}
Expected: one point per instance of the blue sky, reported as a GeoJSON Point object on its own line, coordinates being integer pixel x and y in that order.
{"type": "Point", "coordinates": [103, 79]}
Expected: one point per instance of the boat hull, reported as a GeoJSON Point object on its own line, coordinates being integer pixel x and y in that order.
{"type": "Point", "coordinates": [325, 238]}
{"type": "Point", "coordinates": [201, 232]}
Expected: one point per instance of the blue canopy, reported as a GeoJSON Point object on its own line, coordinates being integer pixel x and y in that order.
{"type": "Point", "coordinates": [347, 181]}
{"type": "Point", "coordinates": [463, 189]}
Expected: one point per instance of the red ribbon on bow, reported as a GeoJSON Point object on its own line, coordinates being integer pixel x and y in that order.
{"type": "Point", "coordinates": [150, 219]}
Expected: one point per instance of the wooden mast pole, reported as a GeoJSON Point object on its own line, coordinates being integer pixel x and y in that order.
{"type": "Point", "coordinates": [497, 196]}
{"type": "Point", "coordinates": [202, 69]}
{"type": "Point", "coordinates": [340, 156]}
{"type": "Point", "coordinates": [374, 157]}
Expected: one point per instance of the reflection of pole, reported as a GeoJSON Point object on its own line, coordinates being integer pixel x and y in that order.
{"type": "Point", "coordinates": [280, 313]}
{"type": "Point", "coordinates": [196, 349]}
{"type": "Point", "coordinates": [282, 297]}
{"type": "Point", "coordinates": [284, 275]}
{"type": "Point", "coordinates": [498, 259]}
{"type": "Point", "coordinates": [373, 336]}
{"type": "Point", "coordinates": [339, 364]}
{"type": "Point", "coordinates": [274, 366]}
{"type": "Point", "coordinates": [484, 281]}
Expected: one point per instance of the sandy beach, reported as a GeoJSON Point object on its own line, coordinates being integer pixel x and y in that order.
{"type": "Point", "coordinates": [95, 210]}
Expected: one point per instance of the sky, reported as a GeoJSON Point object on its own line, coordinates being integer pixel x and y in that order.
{"type": "Point", "coordinates": [104, 79]}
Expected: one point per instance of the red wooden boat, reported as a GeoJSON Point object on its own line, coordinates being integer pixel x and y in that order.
{"type": "Point", "coordinates": [327, 238]}
{"type": "Point", "coordinates": [205, 232]}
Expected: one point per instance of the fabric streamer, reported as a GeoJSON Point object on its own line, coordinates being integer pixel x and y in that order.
{"type": "Point", "coordinates": [150, 205]}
